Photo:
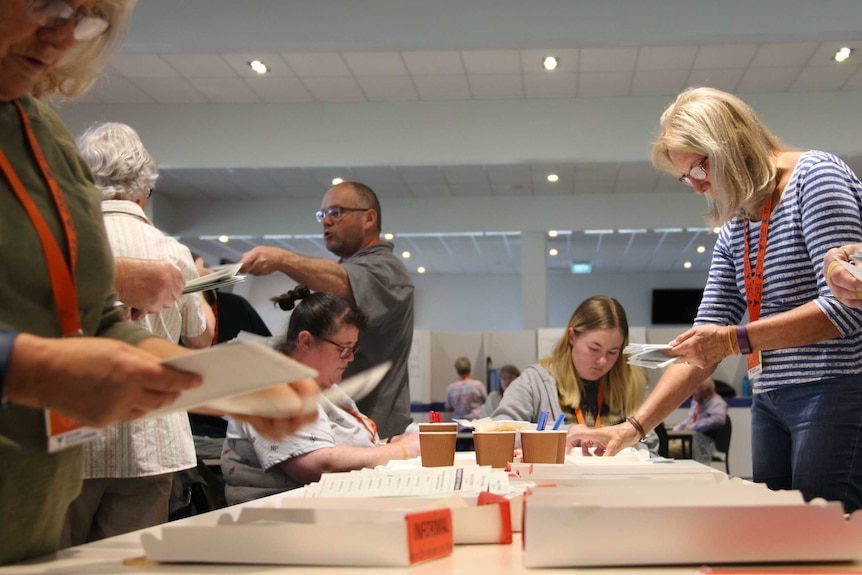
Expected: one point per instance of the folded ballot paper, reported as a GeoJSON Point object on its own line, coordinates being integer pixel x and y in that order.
{"type": "Point", "coordinates": [648, 355]}
{"type": "Point", "coordinates": [221, 276]}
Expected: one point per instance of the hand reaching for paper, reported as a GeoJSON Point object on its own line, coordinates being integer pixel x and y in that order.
{"type": "Point", "coordinates": [703, 345]}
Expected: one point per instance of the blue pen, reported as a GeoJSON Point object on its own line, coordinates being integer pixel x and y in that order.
{"type": "Point", "coordinates": [543, 419]}
{"type": "Point", "coordinates": [559, 421]}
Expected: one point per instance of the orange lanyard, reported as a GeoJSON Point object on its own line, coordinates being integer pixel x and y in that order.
{"type": "Point", "coordinates": [61, 272]}
{"type": "Point", "coordinates": [365, 421]}
{"type": "Point", "coordinates": [601, 401]}
{"type": "Point", "coordinates": [754, 282]}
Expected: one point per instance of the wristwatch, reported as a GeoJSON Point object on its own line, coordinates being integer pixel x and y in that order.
{"type": "Point", "coordinates": [7, 342]}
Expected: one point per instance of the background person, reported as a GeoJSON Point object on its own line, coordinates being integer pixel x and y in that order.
{"type": "Point", "coordinates": [465, 397]}
{"type": "Point", "coordinates": [129, 467]}
{"type": "Point", "coordinates": [372, 278]}
{"type": "Point", "coordinates": [113, 372]}
{"type": "Point", "coordinates": [508, 374]}
{"type": "Point", "coordinates": [323, 333]}
{"type": "Point", "coordinates": [708, 411]}
{"type": "Point", "coordinates": [586, 378]}
{"type": "Point", "coordinates": [780, 210]}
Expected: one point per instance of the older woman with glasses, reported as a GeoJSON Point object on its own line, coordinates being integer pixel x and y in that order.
{"type": "Point", "coordinates": [63, 344]}
{"type": "Point", "coordinates": [323, 333]}
{"type": "Point", "coordinates": [780, 211]}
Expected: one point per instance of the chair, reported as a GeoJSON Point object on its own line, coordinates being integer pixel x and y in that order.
{"type": "Point", "coordinates": [661, 431]}
{"type": "Point", "coordinates": [721, 437]}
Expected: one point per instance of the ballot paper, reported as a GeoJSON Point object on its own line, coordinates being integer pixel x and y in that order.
{"type": "Point", "coordinates": [247, 377]}
{"type": "Point", "coordinates": [648, 355]}
{"type": "Point", "coordinates": [221, 276]}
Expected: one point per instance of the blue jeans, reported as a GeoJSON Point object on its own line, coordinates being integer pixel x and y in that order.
{"type": "Point", "coordinates": [808, 437]}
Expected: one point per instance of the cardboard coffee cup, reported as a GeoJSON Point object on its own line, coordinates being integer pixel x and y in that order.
{"type": "Point", "coordinates": [543, 446]}
{"type": "Point", "coordinates": [437, 448]}
{"type": "Point", "coordinates": [494, 448]}
{"type": "Point", "coordinates": [437, 427]}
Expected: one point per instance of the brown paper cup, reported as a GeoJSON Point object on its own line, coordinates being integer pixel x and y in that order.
{"type": "Point", "coordinates": [437, 427]}
{"type": "Point", "coordinates": [543, 446]}
{"type": "Point", "coordinates": [437, 448]}
{"type": "Point", "coordinates": [494, 448]}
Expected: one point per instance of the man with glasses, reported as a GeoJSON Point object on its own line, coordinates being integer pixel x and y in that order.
{"type": "Point", "coordinates": [367, 274]}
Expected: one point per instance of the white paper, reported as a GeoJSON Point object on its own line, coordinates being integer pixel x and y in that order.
{"type": "Point", "coordinates": [239, 377]}
{"type": "Point", "coordinates": [220, 277]}
{"type": "Point", "coordinates": [856, 271]}
{"type": "Point", "coordinates": [648, 355]}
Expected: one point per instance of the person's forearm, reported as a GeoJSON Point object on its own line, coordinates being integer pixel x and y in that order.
{"type": "Point", "coordinates": [309, 467]}
{"type": "Point", "coordinates": [804, 325]}
{"type": "Point", "coordinates": [317, 274]}
{"type": "Point", "coordinates": [674, 387]}
{"type": "Point", "coordinates": [205, 338]}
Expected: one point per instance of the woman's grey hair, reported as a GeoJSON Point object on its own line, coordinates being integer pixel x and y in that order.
{"type": "Point", "coordinates": [121, 166]}
{"type": "Point", "coordinates": [82, 64]}
{"type": "Point", "coordinates": [739, 147]}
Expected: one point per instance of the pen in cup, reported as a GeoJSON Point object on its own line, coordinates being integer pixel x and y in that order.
{"type": "Point", "coordinates": [543, 419]}
{"type": "Point", "coordinates": [559, 421]}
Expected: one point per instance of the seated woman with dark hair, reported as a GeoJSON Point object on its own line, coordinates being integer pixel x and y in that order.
{"type": "Point", "coordinates": [322, 333]}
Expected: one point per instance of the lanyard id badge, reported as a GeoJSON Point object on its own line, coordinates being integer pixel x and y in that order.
{"type": "Point", "coordinates": [754, 284]}
{"type": "Point", "coordinates": [61, 431]}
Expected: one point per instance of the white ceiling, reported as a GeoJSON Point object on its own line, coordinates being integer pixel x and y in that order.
{"type": "Point", "coordinates": [414, 61]}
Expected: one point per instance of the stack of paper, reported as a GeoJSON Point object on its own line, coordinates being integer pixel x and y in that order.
{"type": "Point", "coordinates": [221, 276]}
{"type": "Point", "coordinates": [410, 482]}
{"type": "Point", "coordinates": [648, 355]}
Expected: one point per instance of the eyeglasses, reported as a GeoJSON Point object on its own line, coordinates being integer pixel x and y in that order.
{"type": "Point", "coordinates": [336, 212]}
{"type": "Point", "coordinates": [345, 350]}
{"type": "Point", "coordinates": [54, 13]}
{"type": "Point", "coordinates": [149, 193]}
{"type": "Point", "coordinates": [697, 173]}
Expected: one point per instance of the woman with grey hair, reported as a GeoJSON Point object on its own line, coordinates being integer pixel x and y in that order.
{"type": "Point", "coordinates": [129, 466]}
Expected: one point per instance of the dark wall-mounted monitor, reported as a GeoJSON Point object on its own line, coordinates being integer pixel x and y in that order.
{"type": "Point", "coordinates": [675, 306]}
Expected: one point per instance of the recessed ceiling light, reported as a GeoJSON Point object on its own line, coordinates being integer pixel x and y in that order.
{"type": "Point", "coordinates": [716, 230]}
{"type": "Point", "coordinates": [388, 236]}
{"type": "Point", "coordinates": [686, 265]}
{"type": "Point", "coordinates": [420, 270]}
{"type": "Point", "coordinates": [258, 67]}
{"type": "Point", "coordinates": [336, 181]}
{"type": "Point", "coordinates": [842, 54]}
{"type": "Point", "coordinates": [701, 249]}
{"type": "Point", "coordinates": [405, 254]}
{"type": "Point", "coordinates": [553, 178]}
{"type": "Point", "coordinates": [553, 234]}
{"type": "Point", "coordinates": [223, 239]}
{"type": "Point", "coordinates": [550, 62]}
{"type": "Point", "coordinates": [553, 252]}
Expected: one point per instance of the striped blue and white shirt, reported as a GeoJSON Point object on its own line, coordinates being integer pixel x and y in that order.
{"type": "Point", "coordinates": [821, 208]}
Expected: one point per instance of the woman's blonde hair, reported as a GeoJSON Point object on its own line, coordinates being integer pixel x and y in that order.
{"type": "Point", "coordinates": [624, 386]}
{"type": "Point", "coordinates": [79, 68]}
{"type": "Point", "coordinates": [739, 147]}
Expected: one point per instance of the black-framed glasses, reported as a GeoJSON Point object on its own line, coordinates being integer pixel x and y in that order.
{"type": "Point", "coordinates": [336, 212]}
{"type": "Point", "coordinates": [698, 173]}
{"type": "Point", "coordinates": [53, 13]}
{"type": "Point", "coordinates": [149, 192]}
{"type": "Point", "coordinates": [344, 351]}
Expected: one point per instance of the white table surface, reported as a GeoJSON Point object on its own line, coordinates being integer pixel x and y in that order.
{"type": "Point", "coordinates": [107, 557]}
